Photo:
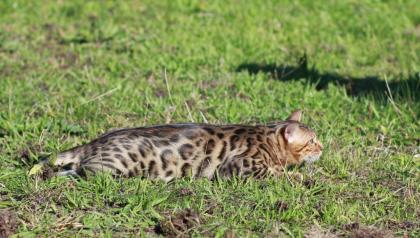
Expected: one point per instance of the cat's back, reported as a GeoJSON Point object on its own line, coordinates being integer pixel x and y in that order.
{"type": "Point", "coordinates": [187, 130]}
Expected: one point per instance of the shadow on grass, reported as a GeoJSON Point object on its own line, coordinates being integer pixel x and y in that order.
{"type": "Point", "coordinates": [401, 88]}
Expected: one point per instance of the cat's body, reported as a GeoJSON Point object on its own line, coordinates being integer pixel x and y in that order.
{"type": "Point", "coordinates": [199, 150]}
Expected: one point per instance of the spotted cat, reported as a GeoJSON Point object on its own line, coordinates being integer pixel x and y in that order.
{"type": "Point", "coordinates": [199, 150]}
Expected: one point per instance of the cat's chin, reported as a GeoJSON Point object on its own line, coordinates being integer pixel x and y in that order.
{"type": "Point", "coordinates": [311, 158]}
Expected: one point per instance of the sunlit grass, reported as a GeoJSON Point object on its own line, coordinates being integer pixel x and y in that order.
{"type": "Point", "coordinates": [70, 70]}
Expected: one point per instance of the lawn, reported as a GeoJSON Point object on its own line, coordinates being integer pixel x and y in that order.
{"type": "Point", "coordinates": [70, 70]}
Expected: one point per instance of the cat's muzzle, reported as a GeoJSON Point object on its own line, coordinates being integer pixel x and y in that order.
{"type": "Point", "coordinates": [312, 158]}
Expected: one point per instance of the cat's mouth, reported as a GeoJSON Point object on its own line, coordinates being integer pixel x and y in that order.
{"type": "Point", "coordinates": [312, 158]}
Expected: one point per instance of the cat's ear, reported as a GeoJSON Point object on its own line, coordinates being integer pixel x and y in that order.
{"type": "Point", "coordinates": [289, 133]}
{"type": "Point", "coordinates": [295, 116]}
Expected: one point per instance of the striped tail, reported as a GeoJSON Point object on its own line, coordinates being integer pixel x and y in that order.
{"type": "Point", "coordinates": [68, 160]}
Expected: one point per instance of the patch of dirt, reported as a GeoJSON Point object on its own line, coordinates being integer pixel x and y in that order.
{"type": "Point", "coordinates": [58, 55]}
{"type": "Point", "coordinates": [191, 103]}
{"type": "Point", "coordinates": [351, 226]}
{"type": "Point", "coordinates": [371, 232]}
{"type": "Point", "coordinates": [67, 222]}
{"type": "Point", "coordinates": [309, 183]}
{"type": "Point", "coordinates": [47, 173]}
{"type": "Point", "coordinates": [263, 185]}
{"type": "Point", "coordinates": [229, 234]}
{"type": "Point", "coordinates": [159, 92]}
{"type": "Point", "coordinates": [26, 154]}
{"type": "Point", "coordinates": [243, 96]}
{"type": "Point", "coordinates": [8, 223]}
{"type": "Point", "coordinates": [51, 32]}
{"type": "Point", "coordinates": [317, 232]}
{"type": "Point", "coordinates": [413, 31]}
{"type": "Point", "coordinates": [184, 192]}
{"type": "Point", "coordinates": [206, 84]}
{"type": "Point", "coordinates": [211, 205]}
{"type": "Point", "coordinates": [179, 224]}
{"type": "Point", "coordinates": [356, 230]}
{"type": "Point", "coordinates": [405, 225]}
{"type": "Point", "coordinates": [318, 207]}
{"type": "Point", "coordinates": [66, 59]}
{"type": "Point", "coordinates": [151, 79]}
{"type": "Point", "coordinates": [42, 198]}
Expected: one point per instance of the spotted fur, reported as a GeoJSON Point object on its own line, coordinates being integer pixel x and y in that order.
{"type": "Point", "coordinates": [199, 150]}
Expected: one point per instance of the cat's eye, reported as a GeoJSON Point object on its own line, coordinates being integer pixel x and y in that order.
{"type": "Point", "coordinates": [311, 141]}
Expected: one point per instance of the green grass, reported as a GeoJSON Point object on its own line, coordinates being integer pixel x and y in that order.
{"type": "Point", "coordinates": [70, 70]}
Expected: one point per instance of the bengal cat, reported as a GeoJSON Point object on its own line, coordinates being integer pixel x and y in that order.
{"type": "Point", "coordinates": [199, 150]}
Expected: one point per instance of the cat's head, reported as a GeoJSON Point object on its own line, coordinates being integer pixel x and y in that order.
{"type": "Point", "coordinates": [300, 140]}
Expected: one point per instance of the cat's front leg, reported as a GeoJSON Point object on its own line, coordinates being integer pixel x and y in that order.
{"type": "Point", "coordinates": [250, 167]}
{"type": "Point", "coordinates": [238, 167]}
{"type": "Point", "coordinates": [281, 172]}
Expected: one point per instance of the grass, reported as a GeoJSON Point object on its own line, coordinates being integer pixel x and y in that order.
{"type": "Point", "coordinates": [70, 70]}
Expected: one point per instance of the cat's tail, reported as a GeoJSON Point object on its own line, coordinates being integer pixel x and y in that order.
{"type": "Point", "coordinates": [67, 160]}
